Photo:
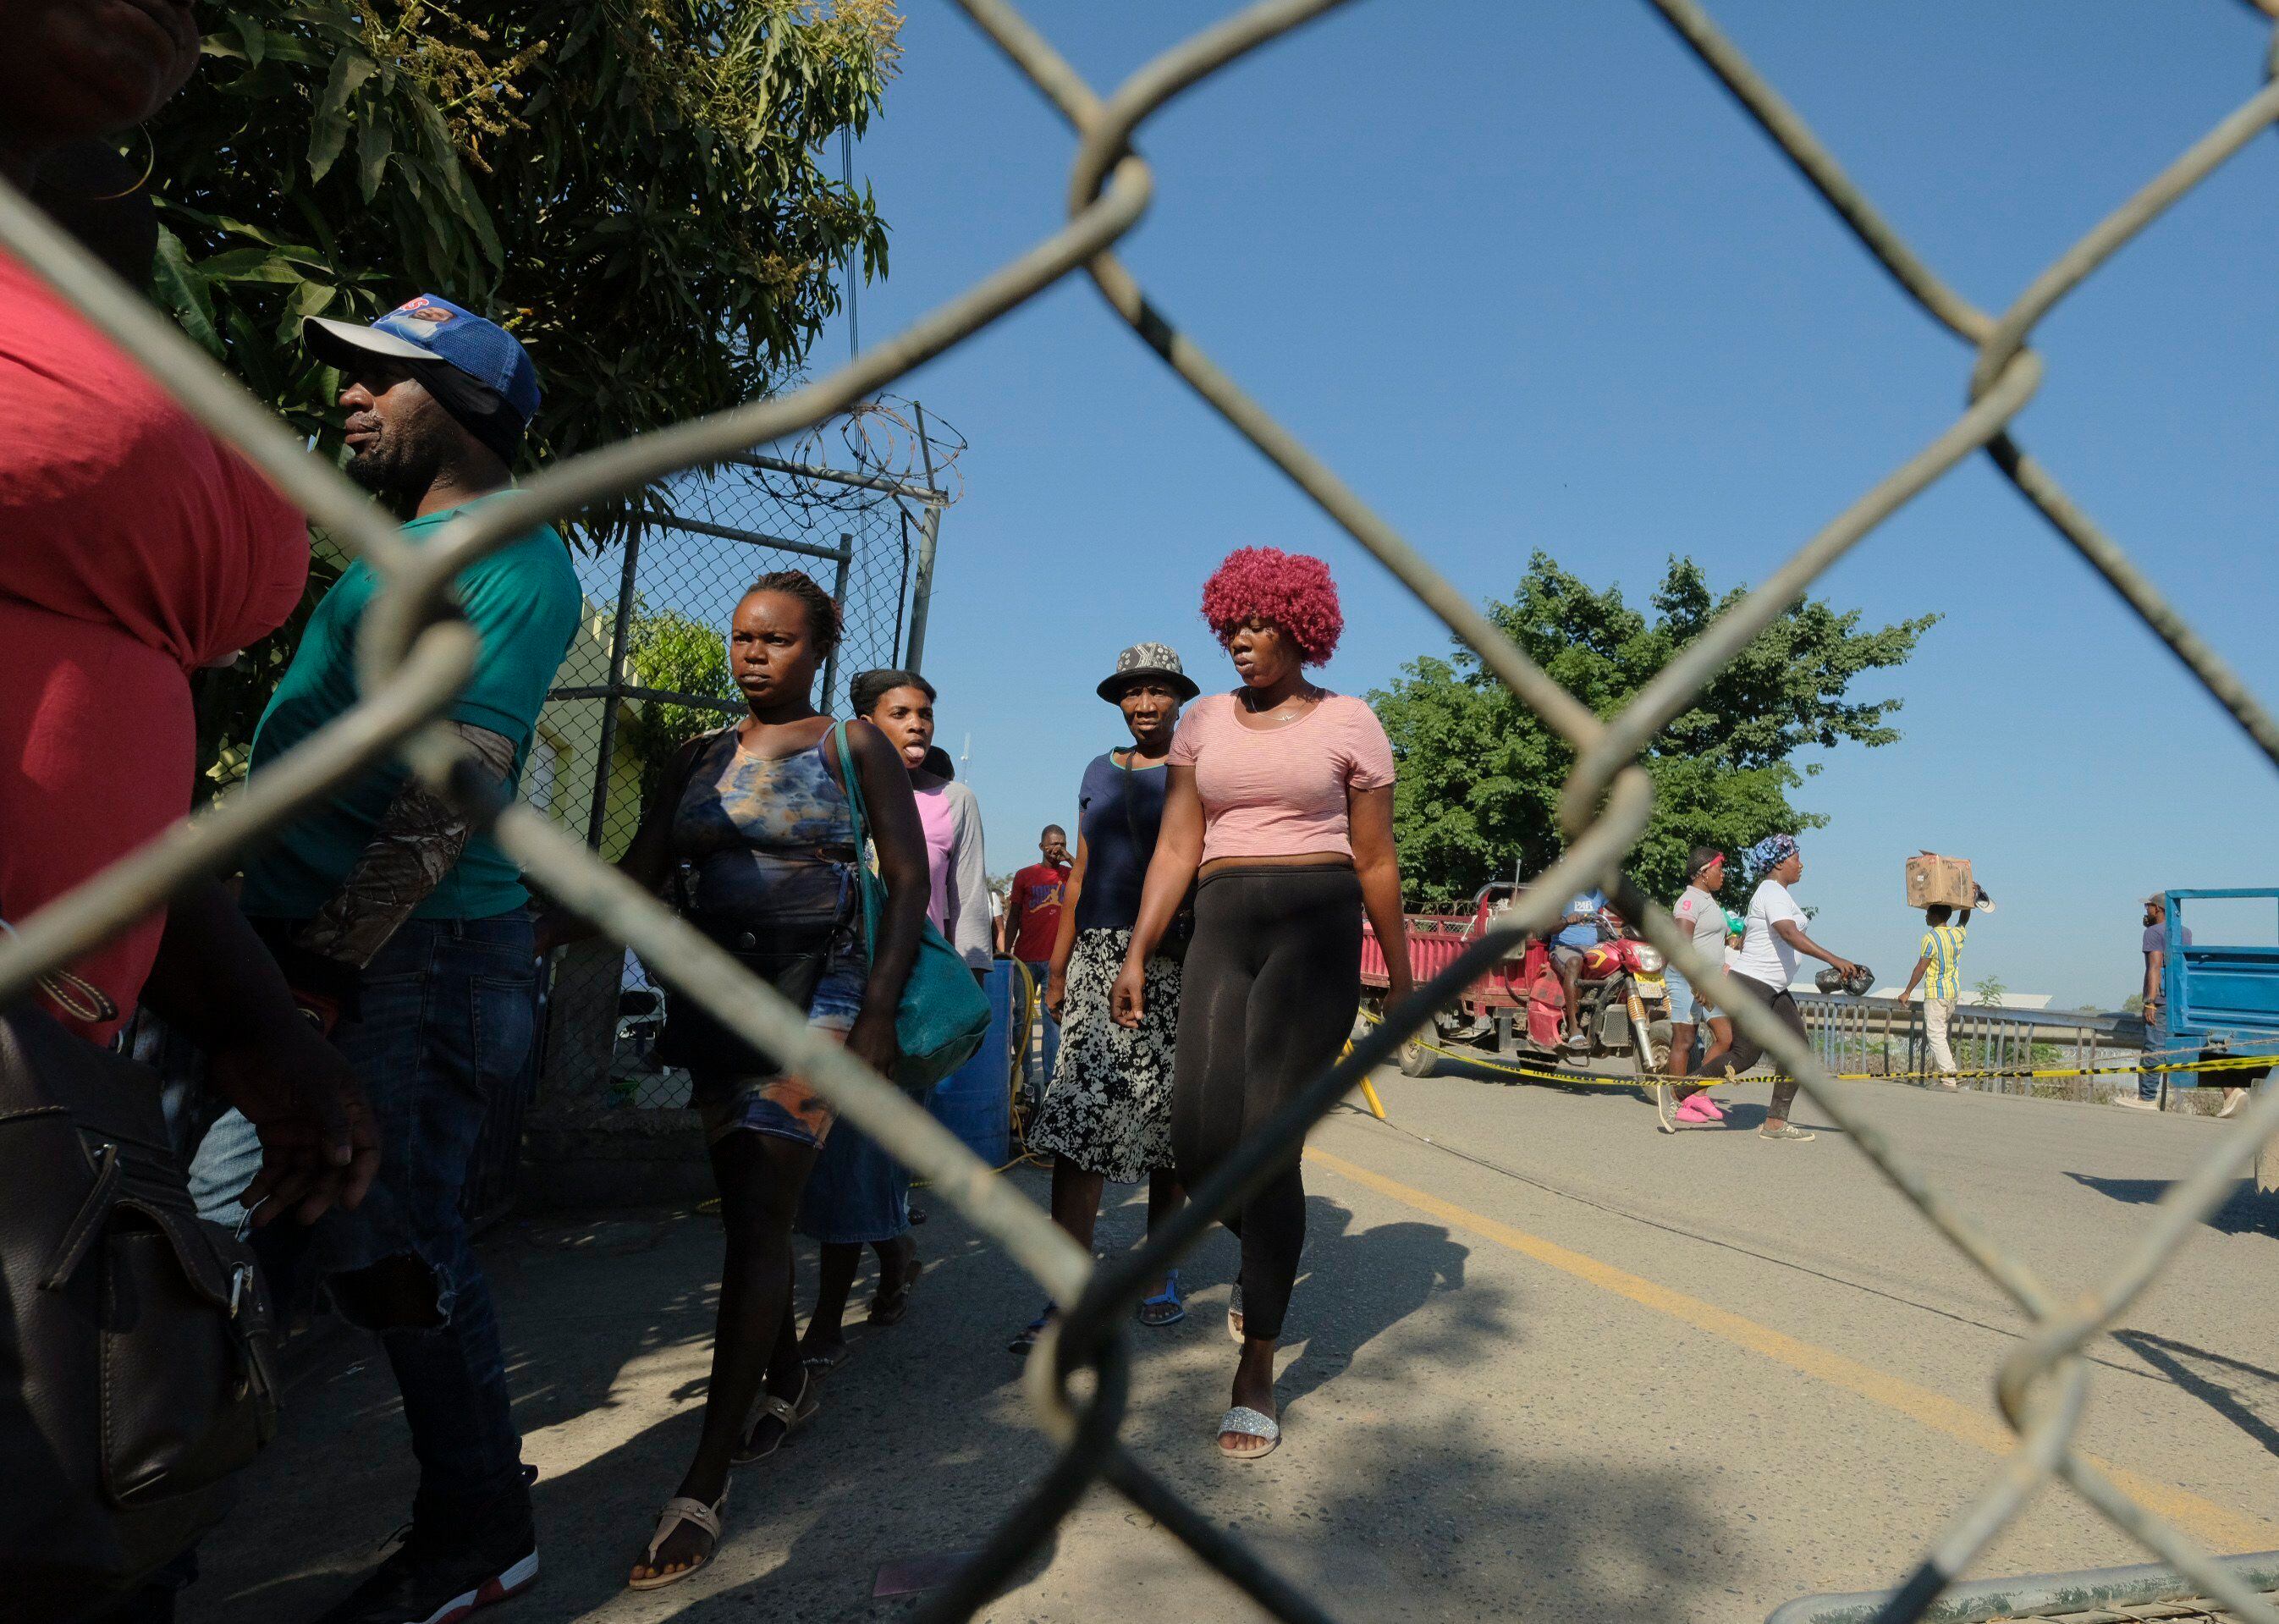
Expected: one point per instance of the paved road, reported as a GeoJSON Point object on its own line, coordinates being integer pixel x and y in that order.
{"type": "Point", "coordinates": [1545, 1364]}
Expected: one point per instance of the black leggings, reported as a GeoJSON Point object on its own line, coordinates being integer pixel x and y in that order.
{"type": "Point", "coordinates": [1746, 1052]}
{"type": "Point", "coordinates": [1272, 981]}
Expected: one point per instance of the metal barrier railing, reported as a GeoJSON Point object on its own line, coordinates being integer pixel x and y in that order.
{"type": "Point", "coordinates": [412, 663]}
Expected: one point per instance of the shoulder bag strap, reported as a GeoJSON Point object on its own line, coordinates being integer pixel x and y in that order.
{"type": "Point", "coordinates": [867, 882]}
{"type": "Point", "coordinates": [682, 902]}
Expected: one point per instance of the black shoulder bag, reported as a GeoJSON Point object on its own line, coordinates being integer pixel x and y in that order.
{"type": "Point", "coordinates": [137, 1354]}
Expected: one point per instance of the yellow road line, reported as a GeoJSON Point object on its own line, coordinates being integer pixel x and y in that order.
{"type": "Point", "coordinates": [2219, 1526]}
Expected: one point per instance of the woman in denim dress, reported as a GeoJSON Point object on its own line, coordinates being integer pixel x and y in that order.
{"type": "Point", "coordinates": [760, 835]}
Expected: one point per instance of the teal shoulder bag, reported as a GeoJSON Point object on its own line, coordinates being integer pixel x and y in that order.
{"type": "Point", "coordinates": [944, 1013]}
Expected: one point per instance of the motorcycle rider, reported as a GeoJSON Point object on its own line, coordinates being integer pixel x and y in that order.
{"type": "Point", "coordinates": [1578, 933]}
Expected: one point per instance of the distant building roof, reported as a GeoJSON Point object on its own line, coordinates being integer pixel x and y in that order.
{"type": "Point", "coordinates": [2008, 1001]}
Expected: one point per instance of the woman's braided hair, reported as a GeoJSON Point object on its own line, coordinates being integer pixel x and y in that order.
{"type": "Point", "coordinates": [823, 622]}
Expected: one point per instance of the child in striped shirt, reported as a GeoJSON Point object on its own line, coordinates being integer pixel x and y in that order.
{"type": "Point", "coordinates": [1938, 967]}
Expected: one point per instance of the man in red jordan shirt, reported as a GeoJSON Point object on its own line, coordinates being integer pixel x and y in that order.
{"type": "Point", "coordinates": [1032, 919]}
{"type": "Point", "coordinates": [1033, 908]}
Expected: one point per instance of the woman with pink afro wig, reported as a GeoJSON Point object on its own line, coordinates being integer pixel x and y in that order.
{"type": "Point", "coordinates": [1278, 820]}
{"type": "Point", "coordinates": [1265, 585]}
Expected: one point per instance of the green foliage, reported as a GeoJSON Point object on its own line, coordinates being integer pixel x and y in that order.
{"type": "Point", "coordinates": [675, 654]}
{"type": "Point", "coordinates": [1480, 775]}
{"type": "Point", "coordinates": [632, 185]}
{"type": "Point", "coordinates": [1988, 991]}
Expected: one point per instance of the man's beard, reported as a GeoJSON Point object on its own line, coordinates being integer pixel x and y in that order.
{"type": "Point", "coordinates": [398, 470]}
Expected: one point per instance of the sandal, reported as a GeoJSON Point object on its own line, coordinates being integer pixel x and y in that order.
{"type": "Point", "coordinates": [892, 1303]}
{"type": "Point", "coordinates": [678, 1510]}
{"type": "Point", "coordinates": [1163, 1308]}
{"type": "Point", "coordinates": [1243, 1422]}
{"type": "Point", "coordinates": [790, 1412]}
{"type": "Point", "coordinates": [1025, 1343]}
{"type": "Point", "coordinates": [1234, 1318]}
{"type": "Point", "coordinates": [821, 1365]}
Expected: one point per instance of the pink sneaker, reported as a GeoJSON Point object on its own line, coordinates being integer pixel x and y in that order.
{"type": "Point", "coordinates": [1696, 1109]}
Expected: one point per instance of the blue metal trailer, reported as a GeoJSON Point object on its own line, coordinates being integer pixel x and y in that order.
{"type": "Point", "coordinates": [2222, 998]}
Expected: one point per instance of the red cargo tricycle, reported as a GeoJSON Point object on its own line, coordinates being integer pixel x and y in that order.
{"type": "Point", "coordinates": [1516, 1010]}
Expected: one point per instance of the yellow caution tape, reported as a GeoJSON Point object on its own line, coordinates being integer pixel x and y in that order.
{"type": "Point", "coordinates": [1472, 1057]}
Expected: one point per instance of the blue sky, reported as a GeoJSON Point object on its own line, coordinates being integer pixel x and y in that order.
{"type": "Point", "coordinates": [1527, 278]}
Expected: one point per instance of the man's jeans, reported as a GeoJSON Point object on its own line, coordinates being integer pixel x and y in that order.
{"type": "Point", "coordinates": [448, 1019]}
{"type": "Point", "coordinates": [2156, 1038]}
{"type": "Point", "coordinates": [1049, 1029]}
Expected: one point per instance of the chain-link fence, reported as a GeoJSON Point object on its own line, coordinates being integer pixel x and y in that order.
{"type": "Point", "coordinates": [413, 663]}
{"type": "Point", "coordinates": [649, 668]}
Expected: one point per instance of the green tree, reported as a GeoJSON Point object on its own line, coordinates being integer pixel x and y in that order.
{"type": "Point", "coordinates": [634, 188]}
{"type": "Point", "coordinates": [1480, 774]}
{"type": "Point", "coordinates": [632, 185]}
{"type": "Point", "coordinates": [1988, 991]}
{"type": "Point", "coordinates": [674, 653]}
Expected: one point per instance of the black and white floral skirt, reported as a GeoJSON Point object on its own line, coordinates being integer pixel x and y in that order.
{"type": "Point", "coordinates": [1109, 1107]}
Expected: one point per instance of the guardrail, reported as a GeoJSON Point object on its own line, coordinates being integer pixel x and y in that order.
{"type": "Point", "coordinates": [1886, 1036]}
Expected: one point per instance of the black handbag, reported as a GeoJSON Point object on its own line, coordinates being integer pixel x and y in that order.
{"type": "Point", "coordinates": [138, 1351]}
{"type": "Point", "coordinates": [791, 960]}
{"type": "Point", "coordinates": [792, 964]}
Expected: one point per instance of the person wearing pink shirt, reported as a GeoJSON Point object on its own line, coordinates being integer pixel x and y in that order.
{"type": "Point", "coordinates": [858, 1195]}
{"type": "Point", "coordinates": [1279, 795]}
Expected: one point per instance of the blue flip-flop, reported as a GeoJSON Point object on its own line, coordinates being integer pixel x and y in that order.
{"type": "Point", "coordinates": [1026, 1342]}
{"type": "Point", "coordinates": [1168, 1297]}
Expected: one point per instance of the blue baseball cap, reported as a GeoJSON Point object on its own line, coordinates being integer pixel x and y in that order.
{"type": "Point", "coordinates": [427, 328]}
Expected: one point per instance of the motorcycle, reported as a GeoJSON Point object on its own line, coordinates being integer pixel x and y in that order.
{"type": "Point", "coordinates": [1512, 1009]}
{"type": "Point", "coordinates": [1621, 1002]}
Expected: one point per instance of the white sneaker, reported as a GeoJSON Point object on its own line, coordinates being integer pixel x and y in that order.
{"type": "Point", "coordinates": [2136, 1103]}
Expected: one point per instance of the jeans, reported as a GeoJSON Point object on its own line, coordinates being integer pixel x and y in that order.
{"type": "Point", "coordinates": [1042, 970]}
{"type": "Point", "coordinates": [2156, 1038]}
{"type": "Point", "coordinates": [446, 1019]}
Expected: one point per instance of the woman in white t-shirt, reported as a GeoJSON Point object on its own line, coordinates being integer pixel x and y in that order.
{"type": "Point", "coordinates": [1703, 918]}
{"type": "Point", "coordinates": [1771, 944]}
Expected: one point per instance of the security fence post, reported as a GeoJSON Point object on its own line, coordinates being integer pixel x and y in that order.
{"type": "Point", "coordinates": [628, 579]}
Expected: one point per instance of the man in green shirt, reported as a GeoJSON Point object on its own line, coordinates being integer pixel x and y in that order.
{"type": "Point", "coordinates": [407, 936]}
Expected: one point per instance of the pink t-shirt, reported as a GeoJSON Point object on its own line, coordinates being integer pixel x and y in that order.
{"type": "Point", "coordinates": [1281, 794]}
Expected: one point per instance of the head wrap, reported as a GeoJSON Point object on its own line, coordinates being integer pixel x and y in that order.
{"type": "Point", "coordinates": [1772, 850]}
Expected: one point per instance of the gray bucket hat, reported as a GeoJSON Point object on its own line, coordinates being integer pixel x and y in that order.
{"type": "Point", "coordinates": [1147, 660]}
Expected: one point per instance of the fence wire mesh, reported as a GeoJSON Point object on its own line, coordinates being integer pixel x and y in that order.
{"type": "Point", "coordinates": [413, 662]}
{"type": "Point", "coordinates": [856, 504]}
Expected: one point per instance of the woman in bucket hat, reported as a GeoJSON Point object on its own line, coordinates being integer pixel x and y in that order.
{"type": "Point", "coordinates": [1108, 1115]}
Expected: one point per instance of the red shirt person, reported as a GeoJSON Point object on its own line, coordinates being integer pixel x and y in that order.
{"type": "Point", "coordinates": [1032, 907]}
{"type": "Point", "coordinates": [138, 548]}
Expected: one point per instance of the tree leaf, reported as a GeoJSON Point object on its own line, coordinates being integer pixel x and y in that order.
{"type": "Point", "coordinates": [252, 34]}
{"type": "Point", "coordinates": [328, 131]}
{"type": "Point", "coordinates": [248, 264]}
{"type": "Point", "coordinates": [184, 292]}
{"type": "Point", "coordinates": [375, 140]}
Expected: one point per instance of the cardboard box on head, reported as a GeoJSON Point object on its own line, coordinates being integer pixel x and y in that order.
{"type": "Point", "coordinates": [1932, 878]}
